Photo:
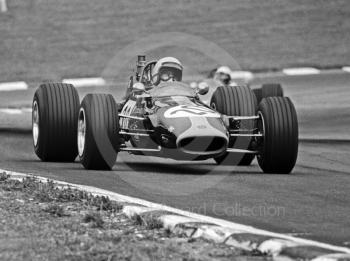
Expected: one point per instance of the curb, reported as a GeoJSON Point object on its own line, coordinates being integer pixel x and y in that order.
{"type": "Point", "coordinates": [278, 248]}
{"type": "Point", "coordinates": [236, 75]}
{"type": "Point", "coordinates": [85, 82]}
{"type": "Point", "coordinates": [191, 225]}
{"type": "Point", "coordinates": [13, 86]}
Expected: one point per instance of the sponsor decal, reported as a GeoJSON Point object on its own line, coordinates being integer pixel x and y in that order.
{"type": "Point", "coordinates": [190, 111]}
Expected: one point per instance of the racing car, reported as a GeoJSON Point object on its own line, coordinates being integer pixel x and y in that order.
{"type": "Point", "coordinates": [167, 120]}
{"type": "Point", "coordinates": [224, 76]}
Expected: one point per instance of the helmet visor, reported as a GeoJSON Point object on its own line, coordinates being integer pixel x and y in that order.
{"type": "Point", "coordinates": [166, 73]}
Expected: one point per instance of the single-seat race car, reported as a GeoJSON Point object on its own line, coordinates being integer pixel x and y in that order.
{"type": "Point", "coordinates": [168, 120]}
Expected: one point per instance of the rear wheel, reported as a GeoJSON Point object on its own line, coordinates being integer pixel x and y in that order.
{"type": "Point", "coordinates": [54, 122]}
{"type": "Point", "coordinates": [236, 101]}
{"type": "Point", "coordinates": [98, 132]}
{"type": "Point", "coordinates": [280, 128]}
{"type": "Point", "coordinates": [258, 94]}
{"type": "Point", "coordinates": [268, 90]}
{"type": "Point", "coordinates": [272, 90]}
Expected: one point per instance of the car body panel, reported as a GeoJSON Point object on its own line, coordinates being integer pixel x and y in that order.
{"type": "Point", "coordinates": [181, 124]}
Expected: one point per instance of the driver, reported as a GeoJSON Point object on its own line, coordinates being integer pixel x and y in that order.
{"type": "Point", "coordinates": [166, 69]}
{"type": "Point", "coordinates": [223, 75]}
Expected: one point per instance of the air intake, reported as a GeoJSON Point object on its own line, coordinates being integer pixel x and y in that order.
{"type": "Point", "coordinates": [202, 145]}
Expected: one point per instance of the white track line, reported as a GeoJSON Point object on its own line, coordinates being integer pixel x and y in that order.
{"type": "Point", "coordinates": [241, 75]}
{"type": "Point", "coordinates": [98, 81]}
{"type": "Point", "coordinates": [206, 219]}
{"type": "Point", "coordinates": [11, 111]}
{"type": "Point", "coordinates": [301, 71]}
{"type": "Point", "coordinates": [27, 110]}
{"type": "Point", "coordinates": [15, 110]}
{"type": "Point", "coordinates": [85, 82]}
{"type": "Point", "coordinates": [13, 86]}
{"type": "Point", "coordinates": [346, 69]}
{"type": "Point", "coordinates": [3, 5]}
{"type": "Point", "coordinates": [331, 257]}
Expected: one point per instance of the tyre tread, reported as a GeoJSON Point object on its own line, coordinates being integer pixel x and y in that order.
{"type": "Point", "coordinates": [280, 147]}
{"type": "Point", "coordinates": [102, 126]}
{"type": "Point", "coordinates": [235, 101]}
{"type": "Point", "coordinates": [58, 109]}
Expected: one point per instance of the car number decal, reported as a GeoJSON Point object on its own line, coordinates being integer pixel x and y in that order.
{"type": "Point", "coordinates": [190, 111]}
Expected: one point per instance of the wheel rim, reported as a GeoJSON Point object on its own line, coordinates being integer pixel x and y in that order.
{"type": "Point", "coordinates": [35, 123]}
{"type": "Point", "coordinates": [81, 132]}
{"type": "Point", "coordinates": [263, 129]}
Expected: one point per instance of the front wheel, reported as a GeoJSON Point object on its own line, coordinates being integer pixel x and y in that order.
{"type": "Point", "coordinates": [54, 122]}
{"type": "Point", "coordinates": [279, 125]}
{"type": "Point", "coordinates": [236, 101]}
{"type": "Point", "coordinates": [98, 132]}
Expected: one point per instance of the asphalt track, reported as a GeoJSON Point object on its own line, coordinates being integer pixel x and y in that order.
{"type": "Point", "coordinates": [312, 202]}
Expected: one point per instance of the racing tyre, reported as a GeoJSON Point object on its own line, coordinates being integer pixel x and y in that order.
{"type": "Point", "coordinates": [268, 90]}
{"type": "Point", "coordinates": [236, 101]}
{"type": "Point", "coordinates": [54, 122]}
{"type": "Point", "coordinates": [272, 90]}
{"type": "Point", "coordinates": [280, 141]}
{"type": "Point", "coordinates": [98, 132]}
{"type": "Point", "coordinates": [258, 94]}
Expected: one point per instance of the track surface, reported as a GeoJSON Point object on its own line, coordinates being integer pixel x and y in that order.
{"type": "Point", "coordinates": [313, 202]}
{"type": "Point", "coordinates": [322, 103]}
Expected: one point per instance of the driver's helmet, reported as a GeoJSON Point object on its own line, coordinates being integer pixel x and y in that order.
{"type": "Point", "coordinates": [223, 74]}
{"type": "Point", "coordinates": [167, 69]}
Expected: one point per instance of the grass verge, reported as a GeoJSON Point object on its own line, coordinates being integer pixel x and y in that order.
{"type": "Point", "coordinates": [40, 221]}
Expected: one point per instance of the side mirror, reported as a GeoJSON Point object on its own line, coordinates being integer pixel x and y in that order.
{"type": "Point", "coordinates": [138, 87]}
{"type": "Point", "coordinates": [202, 88]}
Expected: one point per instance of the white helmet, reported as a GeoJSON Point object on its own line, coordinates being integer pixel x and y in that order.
{"type": "Point", "coordinates": [167, 68]}
{"type": "Point", "coordinates": [223, 74]}
{"type": "Point", "coordinates": [224, 70]}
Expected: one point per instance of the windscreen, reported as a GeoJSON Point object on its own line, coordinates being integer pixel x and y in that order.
{"type": "Point", "coordinates": [172, 89]}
